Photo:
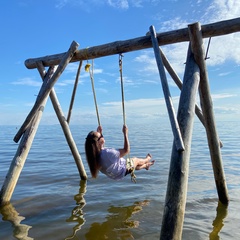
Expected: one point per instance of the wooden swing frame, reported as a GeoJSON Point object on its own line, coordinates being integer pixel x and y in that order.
{"type": "Point", "coordinates": [178, 174]}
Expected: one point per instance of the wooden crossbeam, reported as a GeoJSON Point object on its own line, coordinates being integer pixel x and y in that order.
{"type": "Point", "coordinates": [181, 35]}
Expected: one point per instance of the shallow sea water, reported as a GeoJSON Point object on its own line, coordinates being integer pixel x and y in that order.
{"type": "Point", "coordinates": [50, 201]}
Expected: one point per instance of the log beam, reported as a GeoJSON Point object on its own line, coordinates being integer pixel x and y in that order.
{"type": "Point", "coordinates": [176, 36]}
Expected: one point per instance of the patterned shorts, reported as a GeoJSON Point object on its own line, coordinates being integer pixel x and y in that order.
{"type": "Point", "coordinates": [129, 165]}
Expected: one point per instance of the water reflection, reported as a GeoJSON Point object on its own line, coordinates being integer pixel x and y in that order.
{"type": "Point", "coordinates": [218, 222]}
{"type": "Point", "coordinates": [118, 223]}
{"type": "Point", "coordinates": [77, 212]}
{"type": "Point", "coordinates": [10, 214]}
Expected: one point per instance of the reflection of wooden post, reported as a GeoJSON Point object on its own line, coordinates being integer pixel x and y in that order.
{"type": "Point", "coordinates": [77, 215]}
{"type": "Point", "coordinates": [67, 132]}
{"type": "Point", "coordinates": [207, 108]}
{"type": "Point", "coordinates": [20, 230]}
{"type": "Point", "coordinates": [218, 222]}
{"type": "Point", "coordinates": [176, 195]}
{"type": "Point", "coordinates": [175, 127]}
{"type": "Point", "coordinates": [22, 153]}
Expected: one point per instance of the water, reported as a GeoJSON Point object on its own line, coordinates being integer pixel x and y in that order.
{"type": "Point", "coordinates": [50, 201]}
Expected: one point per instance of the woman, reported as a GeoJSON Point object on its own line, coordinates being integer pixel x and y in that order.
{"type": "Point", "coordinates": [110, 161]}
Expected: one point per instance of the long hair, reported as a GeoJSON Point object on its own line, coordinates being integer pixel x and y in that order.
{"type": "Point", "coordinates": [92, 153]}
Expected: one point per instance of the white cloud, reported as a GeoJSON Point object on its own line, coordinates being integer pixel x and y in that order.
{"type": "Point", "coordinates": [73, 67]}
{"type": "Point", "coordinates": [137, 108]}
{"type": "Point", "coordinates": [65, 82]}
{"type": "Point", "coordinates": [225, 111]}
{"type": "Point", "coordinates": [122, 4]}
{"type": "Point", "coordinates": [176, 55]}
{"type": "Point", "coordinates": [224, 74]}
{"type": "Point", "coordinates": [61, 3]}
{"type": "Point", "coordinates": [173, 24]}
{"type": "Point", "coordinates": [126, 81]}
{"type": "Point", "coordinates": [27, 82]}
{"type": "Point", "coordinates": [222, 9]}
{"type": "Point", "coordinates": [223, 48]}
{"type": "Point", "coordinates": [148, 62]}
{"type": "Point", "coordinates": [222, 95]}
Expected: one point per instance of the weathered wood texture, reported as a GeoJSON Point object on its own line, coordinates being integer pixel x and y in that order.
{"type": "Point", "coordinates": [168, 99]}
{"type": "Point", "coordinates": [66, 130]}
{"type": "Point", "coordinates": [175, 202]}
{"type": "Point", "coordinates": [46, 88]}
{"type": "Point", "coordinates": [181, 35]}
{"type": "Point", "coordinates": [22, 152]}
{"type": "Point", "coordinates": [74, 92]}
{"type": "Point", "coordinates": [178, 82]}
{"type": "Point", "coordinates": [208, 114]}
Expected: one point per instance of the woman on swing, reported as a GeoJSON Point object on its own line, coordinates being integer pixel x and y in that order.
{"type": "Point", "coordinates": [110, 161]}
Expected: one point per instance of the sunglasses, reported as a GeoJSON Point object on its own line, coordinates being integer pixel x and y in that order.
{"type": "Point", "coordinates": [100, 137]}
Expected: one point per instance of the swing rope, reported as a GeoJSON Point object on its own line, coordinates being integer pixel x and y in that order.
{"type": "Point", "coordinates": [87, 69]}
{"type": "Point", "coordinates": [122, 89]}
{"type": "Point", "coordinates": [129, 161]}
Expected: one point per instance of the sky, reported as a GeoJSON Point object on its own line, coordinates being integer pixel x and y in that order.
{"type": "Point", "coordinates": [31, 29]}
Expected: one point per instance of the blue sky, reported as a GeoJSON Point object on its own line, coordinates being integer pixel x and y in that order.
{"type": "Point", "coordinates": [31, 28]}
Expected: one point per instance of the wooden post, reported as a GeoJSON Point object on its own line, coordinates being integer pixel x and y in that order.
{"type": "Point", "coordinates": [22, 152]}
{"type": "Point", "coordinates": [74, 92]}
{"type": "Point", "coordinates": [175, 127]}
{"type": "Point", "coordinates": [178, 82]}
{"type": "Point", "coordinates": [180, 35]}
{"type": "Point", "coordinates": [46, 88]}
{"type": "Point", "coordinates": [65, 127]}
{"type": "Point", "coordinates": [176, 195]}
{"type": "Point", "coordinates": [207, 108]}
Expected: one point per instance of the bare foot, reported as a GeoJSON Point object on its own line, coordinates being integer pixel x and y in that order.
{"type": "Point", "coordinates": [148, 157]}
{"type": "Point", "coordinates": [149, 164]}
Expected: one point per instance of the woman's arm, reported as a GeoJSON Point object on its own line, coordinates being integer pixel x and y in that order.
{"type": "Point", "coordinates": [126, 148]}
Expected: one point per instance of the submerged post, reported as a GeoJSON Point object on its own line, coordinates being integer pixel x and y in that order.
{"type": "Point", "coordinates": [66, 130]}
{"type": "Point", "coordinates": [207, 108]}
{"type": "Point", "coordinates": [22, 152]}
{"type": "Point", "coordinates": [176, 195]}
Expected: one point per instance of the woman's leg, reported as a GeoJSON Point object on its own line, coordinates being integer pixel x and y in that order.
{"type": "Point", "coordinates": [141, 163]}
{"type": "Point", "coordinates": [145, 165]}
